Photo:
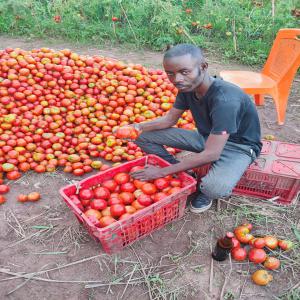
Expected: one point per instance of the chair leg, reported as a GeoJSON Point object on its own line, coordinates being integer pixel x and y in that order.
{"type": "Point", "coordinates": [280, 104]}
{"type": "Point", "coordinates": [259, 100]}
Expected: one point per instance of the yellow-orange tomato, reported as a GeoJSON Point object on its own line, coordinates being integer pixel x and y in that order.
{"type": "Point", "coordinates": [106, 221]}
{"type": "Point", "coordinates": [93, 212]}
{"type": "Point", "coordinates": [261, 277]}
{"type": "Point", "coordinates": [271, 241]}
{"type": "Point", "coordinates": [272, 263]}
{"type": "Point", "coordinates": [137, 205]}
{"type": "Point", "coordinates": [33, 196]}
{"type": "Point", "coordinates": [106, 211]}
{"type": "Point", "coordinates": [130, 209]}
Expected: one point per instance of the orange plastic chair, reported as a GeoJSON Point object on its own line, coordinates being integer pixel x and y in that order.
{"type": "Point", "coordinates": [277, 75]}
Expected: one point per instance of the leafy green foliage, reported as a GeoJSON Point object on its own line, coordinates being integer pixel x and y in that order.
{"type": "Point", "coordinates": [243, 29]}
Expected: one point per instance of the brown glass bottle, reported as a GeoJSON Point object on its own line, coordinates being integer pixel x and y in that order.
{"type": "Point", "coordinates": [223, 247]}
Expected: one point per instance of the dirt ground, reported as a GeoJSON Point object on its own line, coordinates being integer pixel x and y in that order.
{"type": "Point", "coordinates": [172, 263]}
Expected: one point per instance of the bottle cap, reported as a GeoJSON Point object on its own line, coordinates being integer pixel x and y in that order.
{"type": "Point", "coordinates": [230, 235]}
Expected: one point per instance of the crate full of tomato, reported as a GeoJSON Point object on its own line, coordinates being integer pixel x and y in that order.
{"type": "Point", "coordinates": [118, 209]}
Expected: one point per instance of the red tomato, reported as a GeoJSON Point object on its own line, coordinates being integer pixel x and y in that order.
{"type": "Point", "coordinates": [78, 172]}
{"type": "Point", "coordinates": [144, 200]}
{"type": "Point", "coordinates": [127, 197]}
{"type": "Point", "coordinates": [86, 194]}
{"type": "Point", "coordinates": [2, 199]}
{"type": "Point", "coordinates": [138, 183]}
{"type": "Point", "coordinates": [110, 184]}
{"type": "Point", "coordinates": [101, 193]}
{"type": "Point", "coordinates": [161, 183]}
{"type": "Point", "coordinates": [175, 182]}
{"type": "Point", "coordinates": [13, 175]}
{"type": "Point", "coordinates": [259, 243]}
{"type": "Point", "coordinates": [117, 210]}
{"type": "Point", "coordinates": [22, 198]}
{"type": "Point", "coordinates": [114, 195]}
{"type": "Point", "coordinates": [239, 253]}
{"type": "Point", "coordinates": [4, 189]}
{"type": "Point", "coordinates": [121, 178]}
{"type": "Point", "coordinates": [149, 188]}
{"type": "Point", "coordinates": [174, 190]}
{"type": "Point", "coordinates": [126, 132]}
{"type": "Point", "coordinates": [128, 187]}
{"type": "Point", "coordinates": [98, 204]}
{"type": "Point", "coordinates": [285, 245]}
{"type": "Point", "coordinates": [85, 203]}
{"type": "Point", "coordinates": [114, 200]}
{"type": "Point", "coordinates": [106, 220]}
{"type": "Point", "coordinates": [243, 235]}
{"type": "Point", "coordinates": [257, 256]}
{"type": "Point", "coordinates": [125, 216]}
{"type": "Point", "coordinates": [159, 196]}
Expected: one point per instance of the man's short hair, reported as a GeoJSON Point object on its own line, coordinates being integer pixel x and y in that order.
{"type": "Point", "coordinates": [184, 49]}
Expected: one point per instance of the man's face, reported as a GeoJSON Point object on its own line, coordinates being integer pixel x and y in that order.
{"type": "Point", "coordinates": [184, 72]}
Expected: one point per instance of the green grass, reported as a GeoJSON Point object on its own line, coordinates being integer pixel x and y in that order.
{"type": "Point", "coordinates": [291, 295]}
{"type": "Point", "coordinates": [156, 23]}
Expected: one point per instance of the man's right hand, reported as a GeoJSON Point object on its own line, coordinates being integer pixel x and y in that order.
{"type": "Point", "coordinates": [138, 127]}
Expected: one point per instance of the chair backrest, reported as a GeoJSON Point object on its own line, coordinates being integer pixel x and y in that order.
{"type": "Point", "coordinates": [284, 58]}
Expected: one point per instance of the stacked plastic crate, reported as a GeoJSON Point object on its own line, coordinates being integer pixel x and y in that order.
{"type": "Point", "coordinates": [275, 173]}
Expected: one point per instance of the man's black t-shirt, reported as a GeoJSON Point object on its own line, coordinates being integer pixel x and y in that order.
{"type": "Point", "coordinates": [225, 108]}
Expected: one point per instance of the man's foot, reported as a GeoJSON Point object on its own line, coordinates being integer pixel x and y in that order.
{"type": "Point", "coordinates": [200, 204]}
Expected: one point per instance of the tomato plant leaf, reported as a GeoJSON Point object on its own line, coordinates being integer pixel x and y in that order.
{"type": "Point", "coordinates": [296, 233]}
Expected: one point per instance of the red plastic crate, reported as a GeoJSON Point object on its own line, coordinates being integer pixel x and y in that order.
{"type": "Point", "coordinates": [122, 233]}
{"type": "Point", "coordinates": [276, 172]}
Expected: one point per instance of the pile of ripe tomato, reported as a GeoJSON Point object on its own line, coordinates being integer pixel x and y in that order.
{"type": "Point", "coordinates": [257, 251]}
{"type": "Point", "coordinates": [58, 108]}
{"type": "Point", "coordinates": [121, 196]}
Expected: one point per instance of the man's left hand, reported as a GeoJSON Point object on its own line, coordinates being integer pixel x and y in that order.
{"type": "Point", "coordinates": [148, 173]}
